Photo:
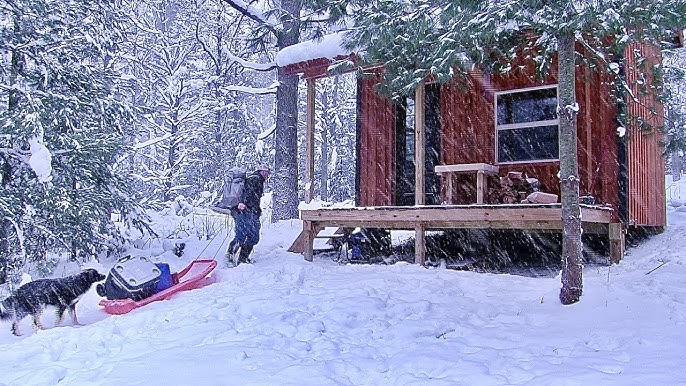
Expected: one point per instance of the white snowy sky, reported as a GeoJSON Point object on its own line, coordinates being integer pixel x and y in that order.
{"type": "Point", "coordinates": [287, 321]}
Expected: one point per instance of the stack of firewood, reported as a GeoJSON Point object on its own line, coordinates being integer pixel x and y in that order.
{"type": "Point", "coordinates": [516, 188]}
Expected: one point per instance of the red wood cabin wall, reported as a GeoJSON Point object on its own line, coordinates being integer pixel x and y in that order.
{"type": "Point", "coordinates": [377, 145]}
{"type": "Point", "coordinates": [468, 132]}
{"type": "Point", "coordinates": [646, 169]}
{"type": "Point", "coordinates": [468, 136]}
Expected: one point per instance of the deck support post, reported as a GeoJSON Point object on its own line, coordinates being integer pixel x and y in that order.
{"type": "Point", "coordinates": [419, 146]}
{"type": "Point", "coordinates": [309, 175]}
{"type": "Point", "coordinates": [617, 241]}
{"type": "Point", "coordinates": [419, 244]}
{"type": "Point", "coordinates": [309, 233]}
{"type": "Point", "coordinates": [480, 187]}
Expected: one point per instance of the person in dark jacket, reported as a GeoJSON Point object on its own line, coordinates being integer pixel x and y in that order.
{"type": "Point", "coordinates": [246, 216]}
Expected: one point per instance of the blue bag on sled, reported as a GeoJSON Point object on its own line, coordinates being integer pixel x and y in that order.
{"type": "Point", "coordinates": [165, 277]}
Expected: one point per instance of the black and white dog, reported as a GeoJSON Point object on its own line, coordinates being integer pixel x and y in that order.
{"type": "Point", "coordinates": [33, 297]}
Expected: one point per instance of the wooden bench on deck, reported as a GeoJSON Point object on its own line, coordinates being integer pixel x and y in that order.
{"type": "Point", "coordinates": [481, 170]}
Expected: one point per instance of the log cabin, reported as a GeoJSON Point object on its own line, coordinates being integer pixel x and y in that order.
{"type": "Point", "coordinates": [438, 158]}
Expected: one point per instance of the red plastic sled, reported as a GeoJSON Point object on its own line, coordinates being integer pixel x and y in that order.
{"type": "Point", "coordinates": [191, 277]}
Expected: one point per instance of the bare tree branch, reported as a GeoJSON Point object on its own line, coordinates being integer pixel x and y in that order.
{"type": "Point", "coordinates": [253, 14]}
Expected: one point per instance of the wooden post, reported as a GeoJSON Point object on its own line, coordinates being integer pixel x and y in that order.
{"type": "Point", "coordinates": [480, 187]}
{"type": "Point", "coordinates": [309, 233]}
{"type": "Point", "coordinates": [449, 193]}
{"type": "Point", "coordinates": [419, 147]}
{"type": "Point", "coordinates": [419, 244]}
{"type": "Point", "coordinates": [309, 175]}
{"type": "Point", "coordinates": [617, 241]}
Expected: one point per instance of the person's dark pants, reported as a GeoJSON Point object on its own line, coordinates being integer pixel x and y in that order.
{"type": "Point", "coordinates": [247, 234]}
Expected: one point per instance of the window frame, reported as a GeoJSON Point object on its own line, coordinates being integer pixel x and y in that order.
{"type": "Point", "coordinates": [524, 125]}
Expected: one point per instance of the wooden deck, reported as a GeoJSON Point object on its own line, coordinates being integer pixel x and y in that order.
{"type": "Point", "coordinates": [544, 217]}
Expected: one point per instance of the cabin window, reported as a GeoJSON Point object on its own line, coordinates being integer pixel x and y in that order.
{"type": "Point", "coordinates": [527, 125]}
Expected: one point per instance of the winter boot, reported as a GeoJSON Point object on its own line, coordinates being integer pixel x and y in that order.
{"type": "Point", "coordinates": [231, 253]}
{"type": "Point", "coordinates": [244, 254]}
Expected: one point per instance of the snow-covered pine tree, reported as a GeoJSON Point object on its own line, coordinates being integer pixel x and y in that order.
{"type": "Point", "coordinates": [277, 25]}
{"type": "Point", "coordinates": [675, 108]}
{"type": "Point", "coordinates": [191, 125]}
{"type": "Point", "coordinates": [420, 38]}
{"type": "Point", "coordinates": [168, 91]}
{"type": "Point", "coordinates": [237, 128]}
{"type": "Point", "coordinates": [335, 134]}
{"type": "Point", "coordinates": [60, 130]}
{"type": "Point", "coordinates": [605, 28]}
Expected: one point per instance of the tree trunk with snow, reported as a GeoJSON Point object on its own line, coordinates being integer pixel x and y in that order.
{"type": "Point", "coordinates": [6, 169]}
{"type": "Point", "coordinates": [676, 164]}
{"type": "Point", "coordinates": [572, 283]}
{"type": "Point", "coordinates": [285, 176]}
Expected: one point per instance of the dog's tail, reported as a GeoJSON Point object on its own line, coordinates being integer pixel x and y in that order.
{"type": "Point", "coordinates": [4, 312]}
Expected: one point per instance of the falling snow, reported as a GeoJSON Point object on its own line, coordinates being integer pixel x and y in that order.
{"type": "Point", "coordinates": [283, 320]}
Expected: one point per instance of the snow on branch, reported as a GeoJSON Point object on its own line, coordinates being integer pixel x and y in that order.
{"type": "Point", "coordinates": [245, 63]}
{"type": "Point", "coordinates": [267, 132]}
{"type": "Point", "coordinates": [271, 89]}
{"type": "Point", "coordinates": [22, 156]}
{"type": "Point", "coordinates": [150, 142]}
{"type": "Point", "coordinates": [41, 159]}
{"type": "Point", "coordinates": [38, 158]}
{"type": "Point", "coordinates": [252, 65]}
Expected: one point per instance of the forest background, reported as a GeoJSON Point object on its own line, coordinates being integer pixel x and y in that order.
{"type": "Point", "coordinates": [145, 105]}
{"type": "Point", "coordinates": [138, 105]}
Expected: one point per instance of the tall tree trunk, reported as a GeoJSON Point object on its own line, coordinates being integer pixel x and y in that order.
{"type": "Point", "coordinates": [676, 164]}
{"type": "Point", "coordinates": [169, 178]}
{"type": "Point", "coordinates": [285, 180]}
{"type": "Point", "coordinates": [6, 169]}
{"type": "Point", "coordinates": [572, 283]}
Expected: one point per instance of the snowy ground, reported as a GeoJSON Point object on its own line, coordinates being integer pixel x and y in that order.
{"type": "Point", "coordinates": [286, 321]}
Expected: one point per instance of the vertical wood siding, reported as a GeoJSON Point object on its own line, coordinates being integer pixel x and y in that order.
{"type": "Point", "coordinates": [377, 146]}
{"type": "Point", "coordinates": [468, 132]}
{"type": "Point", "coordinates": [468, 136]}
{"type": "Point", "coordinates": [646, 167]}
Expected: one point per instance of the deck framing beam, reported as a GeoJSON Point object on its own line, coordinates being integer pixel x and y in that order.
{"type": "Point", "coordinates": [544, 218]}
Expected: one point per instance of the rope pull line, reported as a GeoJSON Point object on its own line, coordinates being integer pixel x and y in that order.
{"type": "Point", "coordinates": [210, 242]}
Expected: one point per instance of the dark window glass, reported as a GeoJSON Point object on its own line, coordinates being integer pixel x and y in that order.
{"type": "Point", "coordinates": [527, 106]}
{"type": "Point", "coordinates": [528, 143]}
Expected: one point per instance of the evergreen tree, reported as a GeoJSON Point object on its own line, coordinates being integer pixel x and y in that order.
{"type": "Point", "coordinates": [191, 125]}
{"type": "Point", "coordinates": [336, 109]}
{"type": "Point", "coordinates": [234, 129]}
{"type": "Point", "coordinates": [61, 130]}
{"type": "Point", "coordinates": [421, 38]}
{"type": "Point", "coordinates": [282, 24]}
{"type": "Point", "coordinates": [675, 109]}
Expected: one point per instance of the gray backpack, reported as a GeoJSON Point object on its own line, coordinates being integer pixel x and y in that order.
{"type": "Point", "coordinates": [232, 192]}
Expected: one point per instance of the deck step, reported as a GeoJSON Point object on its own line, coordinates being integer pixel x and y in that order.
{"type": "Point", "coordinates": [328, 234]}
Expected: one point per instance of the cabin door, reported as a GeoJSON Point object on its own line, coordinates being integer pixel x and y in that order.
{"type": "Point", "coordinates": [405, 149]}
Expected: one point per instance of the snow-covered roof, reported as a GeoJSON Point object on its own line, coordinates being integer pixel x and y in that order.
{"type": "Point", "coordinates": [329, 47]}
